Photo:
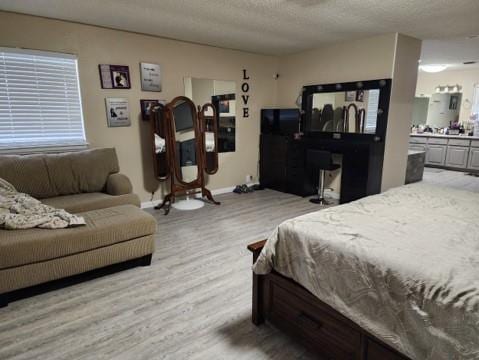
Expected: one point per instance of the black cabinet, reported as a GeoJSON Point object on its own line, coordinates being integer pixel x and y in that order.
{"type": "Point", "coordinates": [282, 165]}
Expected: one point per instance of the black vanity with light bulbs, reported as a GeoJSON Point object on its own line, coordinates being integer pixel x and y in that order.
{"type": "Point", "coordinates": [347, 119]}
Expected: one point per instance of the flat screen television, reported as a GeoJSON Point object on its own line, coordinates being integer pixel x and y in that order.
{"type": "Point", "coordinates": [280, 121]}
{"type": "Point", "coordinates": [183, 117]}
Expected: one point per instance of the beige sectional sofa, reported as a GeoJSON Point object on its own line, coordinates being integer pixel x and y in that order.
{"type": "Point", "coordinates": [87, 183]}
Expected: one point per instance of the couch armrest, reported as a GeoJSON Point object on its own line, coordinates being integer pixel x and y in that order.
{"type": "Point", "coordinates": [118, 184]}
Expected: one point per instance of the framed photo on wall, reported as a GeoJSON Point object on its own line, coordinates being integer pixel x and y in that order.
{"type": "Point", "coordinates": [350, 96]}
{"type": "Point", "coordinates": [117, 112]}
{"type": "Point", "coordinates": [114, 76]}
{"type": "Point", "coordinates": [150, 77]}
{"type": "Point", "coordinates": [360, 95]}
{"type": "Point", "coordinates": [147, 105]}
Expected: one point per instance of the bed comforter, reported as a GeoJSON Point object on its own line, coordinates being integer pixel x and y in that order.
{"type": "Point", "coordinates": [404, 265]}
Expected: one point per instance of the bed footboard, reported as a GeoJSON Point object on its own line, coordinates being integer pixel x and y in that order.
{"type": "Point", "coordinates": [293, 309]}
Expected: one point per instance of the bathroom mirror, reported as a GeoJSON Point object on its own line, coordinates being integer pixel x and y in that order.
{"type": "Point", "coordinates": [222, 94]}
{"type": "Point", "coordinates": [186, 132]}
{"type": "Point", "coordinates": [439, 110]}
{"type": "Point", "coordinates": [347, 108]}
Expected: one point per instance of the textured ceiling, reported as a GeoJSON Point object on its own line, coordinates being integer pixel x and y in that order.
{"type": "Point", "coordinates": [266, 26]}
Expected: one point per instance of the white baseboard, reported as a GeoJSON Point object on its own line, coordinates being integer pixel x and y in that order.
{"type": "Point", "coordinates": [150, 204]}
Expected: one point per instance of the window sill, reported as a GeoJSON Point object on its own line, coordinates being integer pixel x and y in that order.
{"type": "Point", "coordinates": [42, 149]}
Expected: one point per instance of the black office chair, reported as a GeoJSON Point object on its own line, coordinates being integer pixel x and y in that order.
{"type": "Point", "coordinates": [322, 160]}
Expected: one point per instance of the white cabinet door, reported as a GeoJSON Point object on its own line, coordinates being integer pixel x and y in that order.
{"type": "Point", "coordinates": [473, 159]}
{"type": "Point", "coordinates": [457, 156]}
{"type": "Point", "coordinates": [436, 154]}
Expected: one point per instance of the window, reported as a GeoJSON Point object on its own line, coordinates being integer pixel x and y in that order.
{"type": "Point", "coordinates": [40, 104]}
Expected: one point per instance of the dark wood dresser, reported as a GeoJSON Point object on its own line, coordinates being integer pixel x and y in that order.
{"type": "Point", "coordinates": [283, 165]}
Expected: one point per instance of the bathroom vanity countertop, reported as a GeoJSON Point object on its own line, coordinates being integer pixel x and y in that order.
{"type": "Point", "coordinates": [447, 136]}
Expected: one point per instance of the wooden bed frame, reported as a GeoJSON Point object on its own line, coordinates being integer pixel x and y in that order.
{"type": "Point", "coordinates": [293, 309]}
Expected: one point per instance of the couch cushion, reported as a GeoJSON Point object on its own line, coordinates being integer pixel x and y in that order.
{"type": "Point", "coordinates": [47, 175]}
{"type": "Point", "coordinates": [104, 227]}
{"type": "Point", "coordinates": [90, 201]}
{"type": "Point", "coordinates": [82, 171]}
{"type": "Point", "coordinates": [28, 174]}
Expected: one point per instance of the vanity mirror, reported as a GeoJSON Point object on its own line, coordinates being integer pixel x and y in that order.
{"type": "Point", "coordinates": [358, 108]}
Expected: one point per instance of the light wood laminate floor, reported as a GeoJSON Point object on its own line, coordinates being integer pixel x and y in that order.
{"type": "Point", "coordinates": [193, 302]}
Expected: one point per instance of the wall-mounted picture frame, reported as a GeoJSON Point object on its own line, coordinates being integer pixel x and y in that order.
{"type": "Point", "coordinates": [453, 102]}
{"type": "Point", "coordinates": [350, 96]}
{"type": "Point", "coordinates": [117, 112]}
{"type": "Point", "coordinates": [150, 77]}
{"type": "Point", "coordinates": [114, 76]}
{"type": "Point", "coordinates": [359, 95]}
{"type": "Point", "coordinates": [146, 105]}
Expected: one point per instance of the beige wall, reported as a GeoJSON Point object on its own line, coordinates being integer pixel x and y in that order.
{"type": "Point", "coordinates": [427, 82]}
{"type": "Point", "coordinates": [404, 76]}
{"type": "Point", "coordinates": [95, 45]}
{"type": "Point", "coordinates": [365, 59]}
{"type": "Point", "coordinates": [371, 58]}
{"type": "Point", "coordinates": [385, 56]}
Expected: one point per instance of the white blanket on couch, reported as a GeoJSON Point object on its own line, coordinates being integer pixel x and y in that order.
{"type": "Point", "coordinates": [21, 211]}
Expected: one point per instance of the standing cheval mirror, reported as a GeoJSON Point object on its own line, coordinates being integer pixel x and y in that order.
{"type": "Point", "coordinates": [190, 137]}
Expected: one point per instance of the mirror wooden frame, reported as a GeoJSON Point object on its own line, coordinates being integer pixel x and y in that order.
{"type": "Point", "coordinates": [160, 160]}
{"type": "Point", "coordinates": [177, 185]}
{"type": "Point", "coordinates": [209, 124]}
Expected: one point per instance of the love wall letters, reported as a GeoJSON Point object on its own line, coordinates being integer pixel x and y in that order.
{"type": "Point", "coordinates": [245, 95]}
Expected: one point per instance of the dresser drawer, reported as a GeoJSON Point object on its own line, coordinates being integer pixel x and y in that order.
{"type": "Point", "coordinates": [437, 141]}
{"type": "Point", "coordinates": [315, 325]}
{"type": "Point", "coordinates": [459, 142]}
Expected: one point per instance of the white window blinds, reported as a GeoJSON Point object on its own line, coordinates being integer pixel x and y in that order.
{"type": "Point", "coordinates": [40, 104]}
{"type": "Point", "coordinates": [372, 111]}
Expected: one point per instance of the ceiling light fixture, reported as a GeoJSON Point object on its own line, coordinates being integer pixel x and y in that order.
{"type": "Point", "coordinates": [433, 68]}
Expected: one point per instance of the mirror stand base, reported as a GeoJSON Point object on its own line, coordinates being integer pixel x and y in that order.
{"type": "Point", "coordinates": [166, 203]}
{"type": "Point", "coordinates": [188, 204]}
{"type": "Point", "coordinates": [206, 193]}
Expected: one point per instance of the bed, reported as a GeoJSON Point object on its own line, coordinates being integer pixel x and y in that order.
{"type": "Point", "coordinates": [390, 276]}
